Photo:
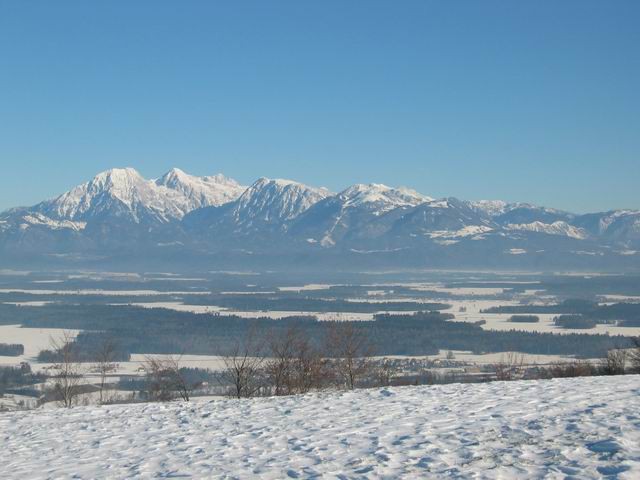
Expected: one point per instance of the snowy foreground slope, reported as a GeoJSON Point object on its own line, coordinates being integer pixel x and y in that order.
{"type": "Point", "coordinates": [580, 428]}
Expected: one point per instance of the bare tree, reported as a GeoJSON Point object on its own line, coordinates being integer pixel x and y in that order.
{"type": "Point", "coordinates": [105, 363]}
{"type": "Point", "coordinates": [508, 366]}
{"type": "Point", "coordinates": [614, 363]}
{"type": "Point", "coordinates": [350, 349]}
{"type": "Point", "coordinates": [68, 379]}
{"type": "Point", "coordinates": [310, 367]}
{"type": "Point", "coordinates": [180, 381]}
{"type": "Point", "coordinates": [295, 365]}
{"type": "Point", "coordinates": [165, 380]}
{"type": "Point", "coordinates": [634, 356]}
{"type": "Point", "coordinates": [243, 366]}
{"type": "Point", "coordinates": [576, 368]}
{"type": "Point", "coordinates": [280, 367]}
{"type": "Point", "coordinates": [384, 372]}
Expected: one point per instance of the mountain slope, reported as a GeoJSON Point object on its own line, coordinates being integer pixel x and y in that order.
{"type": "Point", "coordinates": [201, 192]}
{"type": "Point", "coordinates": [123, 193]}
{"type": "Point", "coordinates": [262, 210]}
{"type": "Point", "coordinates": [117, 209]}
{"type": "Point", "coordinates": [330, 220]}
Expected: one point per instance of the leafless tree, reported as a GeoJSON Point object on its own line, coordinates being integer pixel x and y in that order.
{"type": "Point", "coordinates": [634, 356]}
{"type": "Point", "coordinates": [295, 365]}
{"type": "Point", "coordinates": [350, 350]}
{"type": "Point", "coordinates": [165, 380]}
{"type": "Point", "coordinates": [243, 366]}
{"type": "Point", "coordinates": [180, 382]}
{"type": "Point", "coordinates": [280, 367]}
{"type": "Point", "coordinates": [68, 379]}
{"type": "Point", "coordinates": [310, 367]}
{"type": "Point", "coordinates": [576, 368]}
{"type": "Point", "coordinates": [384, 372]}
{"type": "Point", "coordinates": [614, 363]}
{"type": "Point", "coordinates": [508, 366]}
{"type": "Point", "coordinates": [105, 363]}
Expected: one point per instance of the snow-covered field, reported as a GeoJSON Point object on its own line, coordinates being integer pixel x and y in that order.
{"type": "Point", "coordinates": [33, 339]}
{"type": "Point", "coordinates": [564, 428]}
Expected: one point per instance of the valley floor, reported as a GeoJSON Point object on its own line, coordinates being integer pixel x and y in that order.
{"type": "Point", "coordinates": [562, 428]}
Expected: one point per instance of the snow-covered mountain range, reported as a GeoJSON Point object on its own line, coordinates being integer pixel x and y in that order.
{"type": "Point", "coordinates": [123, 192]}
{"type": "Point", "coordinates": [119, 211]}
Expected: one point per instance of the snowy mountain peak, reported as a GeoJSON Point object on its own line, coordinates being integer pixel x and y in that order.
{"type": "Point", "coordinates": [492, 208]}
{"type": "Point", "coordinates": [272, 200]}
{"type": "Point", "coordinates": [175, 175]}
{"type": "Point", "coordinates": [381, 197]}
{"type": "Point", "coordinates": [201, 192]}
{"type": "Point", "coordinates": [125, 194]}
{"type": "Point", "coordinates": [123, 185]}
{"type": "Point", "coordinates": [118, 175]}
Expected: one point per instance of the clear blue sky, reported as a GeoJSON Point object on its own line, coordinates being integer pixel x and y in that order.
{"type": "Point", "coordinates": [535, 101]}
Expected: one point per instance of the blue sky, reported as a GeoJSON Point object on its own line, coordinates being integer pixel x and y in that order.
{"type": "Point", "coordinates": [534, 101]}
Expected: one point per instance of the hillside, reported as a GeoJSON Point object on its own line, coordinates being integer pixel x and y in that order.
{"type": "Point", "coordinates": [581, 428]}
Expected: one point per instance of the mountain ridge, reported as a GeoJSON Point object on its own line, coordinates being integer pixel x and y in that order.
{"type": "Point", "coordinates": [118, 210]}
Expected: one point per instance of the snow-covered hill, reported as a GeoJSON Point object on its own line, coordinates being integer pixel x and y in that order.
{"type": "Point", "coordinates": [564, 428]}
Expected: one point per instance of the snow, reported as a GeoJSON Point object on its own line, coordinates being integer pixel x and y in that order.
{"type": "Point", "coordinates": [384, 198]}
{"type": "Point", "coordinates": [469, 230]}
{"type": "Point", "coordinates": [555, 228]}
{"type": "Point", "coordinates": [33, 339]}
{"type": "Point", "coordinates": [276, 200]}
{"type": "Point", "coordinates": [273, 314]}
{"type": "Point", "coordinates": [201, 192]}
{"type": "Point", "coordinates": [579, 428]}
{"type": "Point", "coordinates": [169, 198]}
{"type": "Point", "coordinates": [492, 208]}
{"type": "Point", "coordinates": [42, 220]}
{"type": "Point", "coordinates": [115, 293]}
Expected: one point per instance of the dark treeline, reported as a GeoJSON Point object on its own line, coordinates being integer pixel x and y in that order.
{"type": "Point", "coordinates": [93, 299]}
{"type": "Point", "coordinates": [288, 303]}
{"type": "Point", "coordinates": [11, 349]}
{"type": "Point", "coordinates": [15, 379]}
{"type": "Point", "coordinates": [590, 286]}
{"type": "Point", "coordinates": [355, 291]}
{"type": "Point", "coordinates": [141, 330]}
{"type": "Point", "coordinates": [88, 350]}
{"type": "Point", "coordinates": [447, 335]}
{"type": "Point", "coordinates": [574, 321]}
{"type": "Point", "coordinates": [524, 319]}
{"type": "Point", "coordinates": [626, 312]}
{"type": "Point", "coordinates": [567, 306]}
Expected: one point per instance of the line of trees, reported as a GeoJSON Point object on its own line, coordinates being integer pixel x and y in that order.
{"type": "Point", "coordinates": [619, 361]}
{"type": "Point", "coordinates": [11, 349]}
{"type": "Point", "coordinates": [290, 362]}
{"type": "Point", "coordinates": [281, 362]}
{"type": "Point", "coordinates": [68, 381]}
{"type": "Point", "coordinates": [161, 331]}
